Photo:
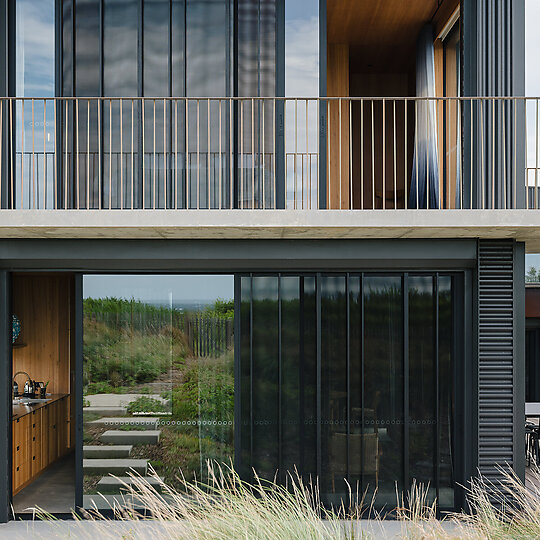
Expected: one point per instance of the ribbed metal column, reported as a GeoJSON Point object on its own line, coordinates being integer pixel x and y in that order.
{"type": "Point", "coordinates": [496, 397]}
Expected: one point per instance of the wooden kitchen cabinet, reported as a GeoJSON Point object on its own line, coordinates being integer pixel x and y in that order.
{"type": "Point", "coordinates": [40, 437]}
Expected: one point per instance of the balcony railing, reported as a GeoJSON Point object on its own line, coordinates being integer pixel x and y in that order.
{"type": "Point", "coordinates": [269, 153]}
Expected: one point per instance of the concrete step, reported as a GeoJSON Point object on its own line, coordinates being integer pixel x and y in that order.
{"type": "Point", "coordinates": [149, 422]}
{"type": "Point", "coordinates": [118, 436]}
{"type": "Point", "coordinates": [110, 484]}
{"type": "Point", "coordinates": [114, 451]}
{"type": "Point", "coordinates": [105, 411]}
{"type": "Point", "coordinates": [116, 466]}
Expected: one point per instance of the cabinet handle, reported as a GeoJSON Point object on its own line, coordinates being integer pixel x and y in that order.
{"type": "Point", "coordinates": [17, 468]}
{"type": "Point", "coordinates": [33, 438]}
{"type": "Point", "coordinates": [17, 448]}
{"type": "Point", "coordinates": [33, 458]}
{"type": "Point", "coordinates": [33, 425]}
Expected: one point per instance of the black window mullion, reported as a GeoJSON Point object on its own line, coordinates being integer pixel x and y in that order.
{"type": "Point", "coordinates": [348, 376]}
{"type": "Point", "coordinates": [362, 344]}
{"type": "Point", "coordinates": [318, 309]}
{"type": "Point", "coordinates": [251, 278]}
{"type": "Point", "coordinates": [437, 456]}
{"type": "Point", "coordinates": [280, 383]}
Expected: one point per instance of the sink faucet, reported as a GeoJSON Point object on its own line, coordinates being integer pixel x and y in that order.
{"type": "Point", "coordinates": [23, 373]}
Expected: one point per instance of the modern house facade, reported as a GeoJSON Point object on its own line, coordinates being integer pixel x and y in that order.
{"type": "Point", "coordinates": [360, 169]}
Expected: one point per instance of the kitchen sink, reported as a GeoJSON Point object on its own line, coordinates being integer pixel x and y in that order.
{"type": "Point", "coordinates": [30, 401]}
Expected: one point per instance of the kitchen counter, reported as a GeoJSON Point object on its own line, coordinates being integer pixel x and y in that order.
{"type": "Point", "coordinates": [21, 410]}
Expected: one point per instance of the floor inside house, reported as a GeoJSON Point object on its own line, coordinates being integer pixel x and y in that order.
{"type": "Point", "coordinates": [53, 491]}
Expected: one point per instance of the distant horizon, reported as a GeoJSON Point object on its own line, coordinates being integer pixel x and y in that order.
{"type": "Point", "coordinates": [161, 289]}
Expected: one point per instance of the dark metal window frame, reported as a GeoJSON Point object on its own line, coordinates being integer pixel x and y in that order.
{"type": "Point", "coordinates": [460, 354]}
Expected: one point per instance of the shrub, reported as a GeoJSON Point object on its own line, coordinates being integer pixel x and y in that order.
{"type": "Point", "coordinates": [146, 404]}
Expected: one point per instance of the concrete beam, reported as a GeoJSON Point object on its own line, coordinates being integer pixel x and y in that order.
{"type": "Point", "coordinates": [521, 225]}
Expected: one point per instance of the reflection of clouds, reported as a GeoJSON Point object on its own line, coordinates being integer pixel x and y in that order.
{"type": "Point", "coordinates": [532, 78]}
{"type": "Point", "coordinates": [302, 57]}
{"type": "Point", "coordinates": [35, 48]}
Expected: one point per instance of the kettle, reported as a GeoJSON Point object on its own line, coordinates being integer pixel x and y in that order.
{"type": "Point", "coordinates": [29, 389]}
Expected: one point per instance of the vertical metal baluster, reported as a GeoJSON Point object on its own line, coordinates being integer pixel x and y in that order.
{"type": "Point", "coordinates": [274, 153]}
{"type": "Point", "coordinates": [427, 156]}
{"type": "Point", "coordinates": [308, 164]}
{"type": "Point", "coordinates": [252, 154]}
{"type": "Point", "coordinates": [110, 153]}
{"type": "Point", "coordinates": [132, 161]}
{"type": "Point", "coordinates": [175, 154]}
{"type": "Point", "coordinates": [329, 178]}
{"type": "Point", "coordinates": [220, 158]}
{"type": "Point", "coordinates": [493, 154]}
{"type": "Point", "coordinates": [88, 154]}
{"type": "Point", "coordinates": [285, 149]}
{"type": "Point", "coordinates": [462, 161]}
{"type": "Point", "coordinates": [317, 137]}
{"type": "Point", "coordinates": [188, 179]}
{"type": "Point", "coordinates": [295, 149]}
{"type": "Point", "coordinates": [416, 148]}
{"type": "Point", "coordinates": [361, 154]}
{"type": "Point", "coordinates": [350, 157]}
{"type": "Point", "coordinates": [66, 162]}
{"type": "Point", "coordinates": [503, 111]}
{"type": "Point", "coordinates": [405, 106]}
{"type": "Point", "coordinates": [384, 154]}
{"type": "Point", "coordinates": [208, 155]}
{"type": "Point", "coordinates": [100, 180]}
{"type": "Point", "coordinates": [121, 106]}
{"type": "Point", "coordinates": [12, 182]}
{"type": "Point", "coordinates": [22, 154]}
{"type": "Point", "coordinates": [143, 106]}
{"type": "Point", "coordinates": [44, 151]}
{"type": "Point", "coordinates": [165, 155]}
{"type": "Point", "coordinates": [154, 193]}
{"type": "Point", "coordinates": [395, 160]}
{"type": "Point", "coordinates": [536, 169]}
{"type": "Point", "coordinates": [1, 152]}
{"type": "Point", "coordinates": [241, 102]}
{"type": "Point", "coordinates": [482, 175]}
{"type": "Point", "coordinates": [55, 164]}
{"type": "Point", "coordinates": [263, 107]}
{"type": "Point", "coordinates": [198, 153]}
{"type": "Point", "coordinates": [514, 194]}
{"type": "Point", "coordinates": [231, 164]}
{"type": "Point", "coordinates": [373, 154]}
{"type": "Point", "coordinates": [340, 152]}
{"type": "Point", "coordinates": [471, 137]}
{"type": "Point", "coordinates": [33, 159]}
{"type": "Point", "coordinates": [77, 186]}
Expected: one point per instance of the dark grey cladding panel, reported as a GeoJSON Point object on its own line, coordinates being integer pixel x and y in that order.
{"type": "Point", "coordinates": [496, 396]}
{"type": "Point", "coordinates": [236, 255]}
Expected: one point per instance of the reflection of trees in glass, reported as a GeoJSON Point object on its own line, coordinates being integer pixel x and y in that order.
{"type": "Point", "coordinates": [134, 347]}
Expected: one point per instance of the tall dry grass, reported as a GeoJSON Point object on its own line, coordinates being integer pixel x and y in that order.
{"type": "Point", "coordinates": [229, 508]}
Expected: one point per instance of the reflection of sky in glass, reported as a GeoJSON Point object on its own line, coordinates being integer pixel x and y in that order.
{"type": "Point", "coordinates": [180, 289]}
{"type": "Point", "coordinates": [301, 80]}
{"type": "Point", "coordinates": [35, 48]}
{"type": "Point", "coordinates": [34, 78]}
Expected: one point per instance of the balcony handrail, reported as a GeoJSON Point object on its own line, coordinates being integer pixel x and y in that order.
{"type": "Point", "coordinates": [116, 152]}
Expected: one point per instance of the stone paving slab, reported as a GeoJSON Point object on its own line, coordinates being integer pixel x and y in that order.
{"type": "Point", "coordinates": [105, 411]}
{"type": "Point", "coordinates": [112, 451]}
{"type": "Point", "coordinates": [117, 436]}
{"type": "Point", "coordinates": [119, 400]}
{"type": "Point", "coordinates": [115, 466]}
{"type": "Point", "coordinates": [114, 484]}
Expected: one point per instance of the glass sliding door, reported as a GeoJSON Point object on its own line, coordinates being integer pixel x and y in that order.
{"type": "Point", "coordinates": [357, 373]}
{"type": "Point", "coordinates": [158, 375]}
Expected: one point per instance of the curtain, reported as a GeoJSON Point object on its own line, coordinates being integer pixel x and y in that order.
{"type": "Point", "coordinates": [425, 172]}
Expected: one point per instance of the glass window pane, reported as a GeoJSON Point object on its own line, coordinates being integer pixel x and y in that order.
{"type": "Point", "coordinates": [422, 382]}
{"type": "Point", "coordinates": [265, 376]}
{"type": "Point", "coordinates": [333, 388]}
{"type": "Point", "coordinates": [447, 314]}
{"type": "Point", "coordinates": [158, 379]}
{"type": "Point", "coordinates": [383, 386]}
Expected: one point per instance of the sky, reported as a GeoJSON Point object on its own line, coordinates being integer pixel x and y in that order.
{"type": "Point", "coordinates": [161, 289]}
